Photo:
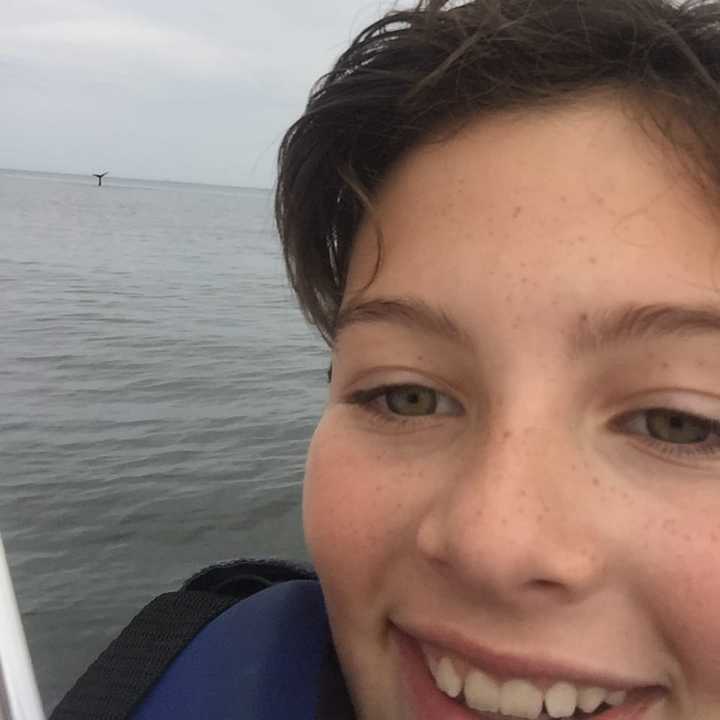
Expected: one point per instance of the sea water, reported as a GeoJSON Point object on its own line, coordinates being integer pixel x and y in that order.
{"type": "Point", "coordinates": [158, 389]}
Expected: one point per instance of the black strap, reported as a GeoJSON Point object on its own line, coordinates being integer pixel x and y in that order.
{"type": "Point", "coordinates": [246, 577]}
{"type": "Point", "coordinates": [124, 673]}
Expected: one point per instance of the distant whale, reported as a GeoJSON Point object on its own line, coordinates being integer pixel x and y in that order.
{"type": "Point", "coordinates": [99, 176]}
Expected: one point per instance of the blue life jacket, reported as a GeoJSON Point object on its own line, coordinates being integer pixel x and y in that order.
{"type": "Point", "coordinates": [264, 654]}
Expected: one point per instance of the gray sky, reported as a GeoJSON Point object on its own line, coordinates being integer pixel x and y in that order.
{"type": "Point", "coordinates": [164, 89]}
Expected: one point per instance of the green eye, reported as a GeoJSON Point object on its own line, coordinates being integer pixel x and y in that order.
{"type": "Point", "coordinates": [412, 400]}
{"type": "Point", "coordinates": [405, 404]}
{"type": "Point", "coordinates": [675, 427]}
{"type": "Point", "coordinates": [674, 432]}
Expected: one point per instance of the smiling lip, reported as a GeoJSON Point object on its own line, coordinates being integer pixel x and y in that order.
{"type": "Point", "coordinates": [426, 702]}
{"type": "Point", "coordinates": [515, 666]}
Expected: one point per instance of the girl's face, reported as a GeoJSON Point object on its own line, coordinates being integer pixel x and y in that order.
{"type": "Point", "coordinates": [516, 480]}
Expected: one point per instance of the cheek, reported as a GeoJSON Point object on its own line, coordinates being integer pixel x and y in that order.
{"type": "Point", "coordinates": [342, 515]}
{"type": "Point", "coordinates": [683, 587]}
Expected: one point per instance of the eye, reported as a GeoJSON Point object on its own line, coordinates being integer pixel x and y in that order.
{"type": "Point", "coordinates": [404, 403]}
{"type": "Point", "coordinates": [412, 400]}
{"type": "Point", "coordinates": [674, 432]}
{"type": "Point", "coordinates": [677, 427]}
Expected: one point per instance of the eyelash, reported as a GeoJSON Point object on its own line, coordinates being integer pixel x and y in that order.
{"type": "Point", "coordinates": [366, 400]}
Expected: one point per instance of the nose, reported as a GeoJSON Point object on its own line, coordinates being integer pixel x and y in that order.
{"type": "Point", "coordinates": [517, 524]}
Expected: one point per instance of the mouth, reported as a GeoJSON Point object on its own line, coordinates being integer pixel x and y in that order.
{"type": "Point", "coordinates": [441, 685]}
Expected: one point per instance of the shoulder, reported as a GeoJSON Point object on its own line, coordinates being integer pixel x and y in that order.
{"type": "Point", "coordinates": [242, 578]}
{"type": "Point", "coordinates": [182, 651]}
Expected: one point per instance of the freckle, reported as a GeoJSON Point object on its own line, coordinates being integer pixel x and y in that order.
{"type": "Point", "coordinates": [507, 434]}
{"type": "Point", "coordinates": [517, 211]}
{"type": "Point", "coordinates": [523, 493]}
{"type": "Point", "coordinates": [504, 522]}
{"type": "Point", "coordinates": [595, 481]}
{"type": "Point", "coordinates": [593, 260]}
{"type": "Point", "coordinates": [686, 537]}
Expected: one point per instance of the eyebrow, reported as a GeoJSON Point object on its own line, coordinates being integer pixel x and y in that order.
{"type": "Point", "coordinates": [589, 333]}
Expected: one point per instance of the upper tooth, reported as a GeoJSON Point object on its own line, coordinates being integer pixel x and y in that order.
{"type": "Point", "coordinates": [431, 661]}
{"type": "Point", "coordinates": [516, 697]}
{"type": "Point", "coordinates": [447, 679]}
{"type": "Point", "coordinates": [616, 698]}
{"type": "Point", "coordinates": [561, 700]}
{"type": "Point", "coordinates": [590, 699]}
{"type": "Point", "coordinates": [520, 698]}
{"type": "Point", "coordinates": [482, 692]}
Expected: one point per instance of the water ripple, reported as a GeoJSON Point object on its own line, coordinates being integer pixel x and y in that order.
{"type": "Point", "coordinates": [157, 393]}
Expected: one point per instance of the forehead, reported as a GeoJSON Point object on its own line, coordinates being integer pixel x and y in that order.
{"type": "Point", "coordinates": [527, 190]}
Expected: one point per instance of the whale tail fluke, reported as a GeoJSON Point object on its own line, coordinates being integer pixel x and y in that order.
{"type": "Point", "coordinates": [99, 176]}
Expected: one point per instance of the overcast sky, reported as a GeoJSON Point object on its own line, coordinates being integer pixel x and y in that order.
{"type": "Point", "coordinates": [164, 89]}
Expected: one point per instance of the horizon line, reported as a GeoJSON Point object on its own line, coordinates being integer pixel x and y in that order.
{"type": "Point", "coordinates": [122, 177]}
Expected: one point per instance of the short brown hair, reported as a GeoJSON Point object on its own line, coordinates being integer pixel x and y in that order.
{"type": "Point", "coordinates": [441, 64]}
